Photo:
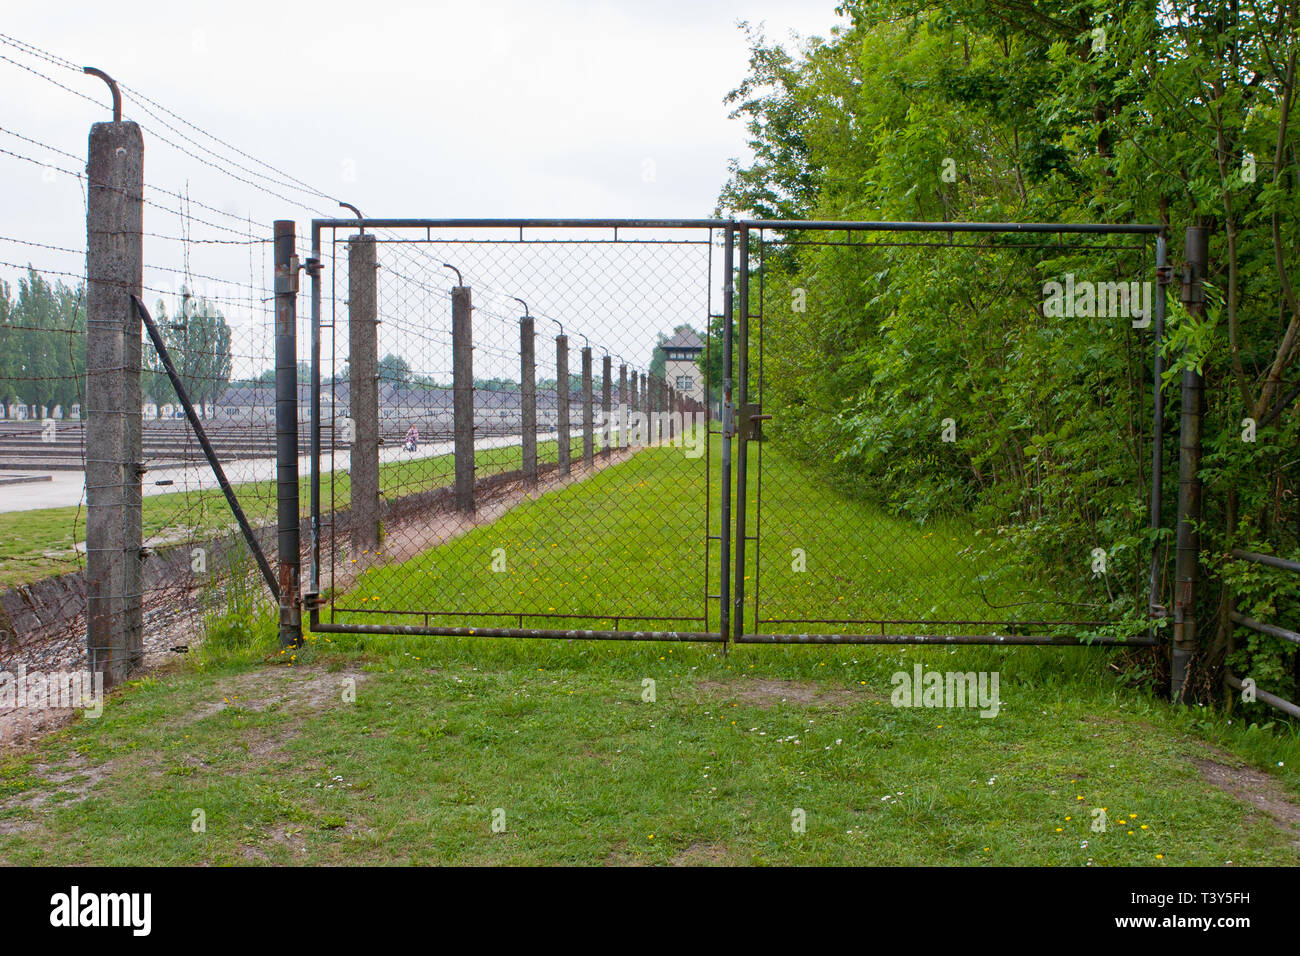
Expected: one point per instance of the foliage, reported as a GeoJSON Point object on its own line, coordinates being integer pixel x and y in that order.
{"type": "Point", "coordinates": [42, 343]}
{"type": "Point", "coordinates": [1066, 111]}
{"type": "Point", "coordinates": [198, 339]}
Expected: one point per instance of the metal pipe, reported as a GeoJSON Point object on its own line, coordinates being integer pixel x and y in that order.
{"type": "Point", "coordinates": [112, 86]}
{"type": "Point", "coordinates": [1272, 560]}
{"type": "Point", "coordinates": [182, 395]}
{"type": "Point", "coordinates": [1154, 608]}
{"type": "Point", "coordinates": [583, 635]}
{"type": "Point", "coordinates": [1259, 627]}
{"type": "Point", "coordinates": [532, 223]}
{"type": "Point", "coordinates": [855, 226]}
{"type": "Point", "coordinates": [1189, 486]}
{"type": "Point", "coordinates": [314, 270]}
{"type": "Point", "coordinates": [724, 535]}
{"type": "Point", "coordinates": [361, 225]}
{"type": "Point", "coordinates": [1272, 700]}
{"type": "Point", "coordinates": [742, 449]}
{"type": "Point", "coordinates": [985, 227]}
{"type": "Point", "coordinates": [989, 639]}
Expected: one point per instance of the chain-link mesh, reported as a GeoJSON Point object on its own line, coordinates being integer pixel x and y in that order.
{"type": "Point", "coordinates": [591, 521]}
{"type": "Point", "coordinates": [219, 337]}
{"type": "Point", "coordinates": [960, 433]}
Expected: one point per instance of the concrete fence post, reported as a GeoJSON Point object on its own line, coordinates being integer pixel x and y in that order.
{"type": "Point", "coordinates": [588, 416]}
{"type": "Point", "coordinates": [607, 431]}
{"type": "Point", "coordinates": [657, 396]}
{"type": "Point", "coordinates": [645, 408]}
{"type": "Point", "coordinates": [286, 433]}
{"type": "Point", "coordinates": [528, 400]}
{"type": "Point", "coordinates": [622, 405]}
{"type": "Point", "coordinates": [363, 394]}
{"type": "Point", "coordinates": [665, 406]}
{"type": "Point", "coordinates": [564, 448]}
{"type": "Point", "coordinates": [114, 272]}
{"type": "Point", "coordinates": [462, 381]}
{"type": "Point", "coordinates": [672, 412]}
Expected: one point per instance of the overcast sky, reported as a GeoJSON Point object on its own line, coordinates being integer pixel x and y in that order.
{"type": "Point", "coordinates": [471, 109]}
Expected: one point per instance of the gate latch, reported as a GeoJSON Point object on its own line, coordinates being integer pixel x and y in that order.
{"type": "Point", "coordinates": [750, 414]}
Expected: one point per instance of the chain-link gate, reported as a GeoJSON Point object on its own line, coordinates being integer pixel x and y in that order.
{"type": "Point", "coordinates": [938, 521]}
{"type": "Point", "coordinates": [511, 428]}
{"type": "Point", "coordinates": [526, 427]}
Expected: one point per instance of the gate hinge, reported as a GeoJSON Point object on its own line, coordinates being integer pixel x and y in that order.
{"type": "Point", "coordinates": [1164, 275]}
{"type": "Point", "coordinates": [313, 266]}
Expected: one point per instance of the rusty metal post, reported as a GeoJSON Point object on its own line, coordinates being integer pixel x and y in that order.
{"type": "Point", "coordinates": [588, 417]}
{"type": "Point", "coordinates": [1186, 570]}
{"type": "Point", "coordinates": [286, 432]}
{"type": "Point", "coordinates": [607, 427]}
{"type": "Point", "coordinates": [565, 448]}
{"type": "Point", "coordinates": [528, 399]}
{"type": "Point", "coordinates": [462, 385]}
{"type": "Point", "coordinates": [363, 395]}
{"type": "Point", "coordinates": [114, 272]}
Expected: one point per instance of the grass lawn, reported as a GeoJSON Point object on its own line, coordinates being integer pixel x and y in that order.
{"type": "Point", "coordinates": [601, 753]}
{"type": "Point", "coordinates": [40, 543]}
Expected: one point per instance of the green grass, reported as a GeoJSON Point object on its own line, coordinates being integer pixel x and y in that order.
{"type": "Point", "coordinates": [558, 734]}
{"type": "Point", "coordinates": [40, 543]}
{"type": "Point", "coordinates": [630, 542]}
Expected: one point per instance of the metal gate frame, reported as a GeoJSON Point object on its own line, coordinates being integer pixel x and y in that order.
{"type": "Point", "coordinates": [738, 634]}
{"type": "Point", "coordinates": [736, 415]}
{"type": "Point", "coordinates": [312, 597]}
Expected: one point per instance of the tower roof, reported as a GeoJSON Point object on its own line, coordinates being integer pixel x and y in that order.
{"type": "Point", "coordinates": [685, 339]}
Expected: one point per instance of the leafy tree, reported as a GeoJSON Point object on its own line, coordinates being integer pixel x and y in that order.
{"type": "Point", "coordinates": [198, 339]}
{"type": "Point", "coordinates": [394, 369]}
{"type": "Point", "coordinates": [42, 343]}
{"type": "Point", "coordinates": [988, 110]}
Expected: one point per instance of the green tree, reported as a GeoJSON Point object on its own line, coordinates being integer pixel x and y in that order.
{"type": "Point", "coordinates": [989, 110]}
{"type": "Point", "coordinates": [42, 343]}
{"type": "Point", "coordinates": [199, 341]}
{"type": "Point", "coordinates": [395, 369]}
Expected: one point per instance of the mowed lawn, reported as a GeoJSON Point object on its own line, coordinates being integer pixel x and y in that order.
{"type": "Point", "coordinates": [484, 750]}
